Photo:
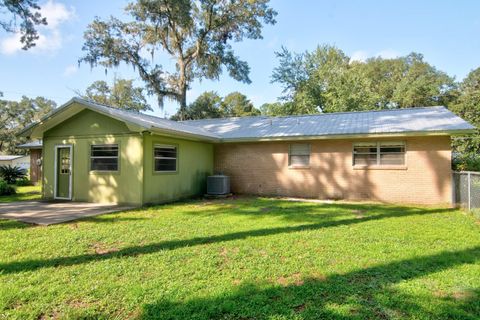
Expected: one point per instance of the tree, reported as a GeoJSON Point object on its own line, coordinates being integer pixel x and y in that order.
{"type": "Point", "coordinates": [196, 34]}
{"type": "Point", "coordinates": [467, 106]}
{"type": "Point", "coordinates": [277, 109]}
{"type": "Point", "coordinates": [99, 92]}
{"type": "Point", "coordinates": [206, 106]}
{"type": "Point", "coordinates": [237, 104]}
{"type": "Point", "coordinates": [422, 84]}
{"type": "Point", "coordinates": [326, 80]}
{"type": "Point", "coordinates": [321, 81]}
{"type": "Point", "coordinates": [17, 115]}
{"type": "Point", "coordinates": [122, 95]}
{"type": "Point", "coordinates": [27, 11]}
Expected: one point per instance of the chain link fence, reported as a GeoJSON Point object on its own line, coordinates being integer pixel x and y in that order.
{"type": "Point", "coordinates": [466, 191]}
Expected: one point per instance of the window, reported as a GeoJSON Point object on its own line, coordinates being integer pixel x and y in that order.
{"type": "Point", "coordinates": [104, 157]}
{"type": "Point", "coordinates": [64, 160]}
{"type": "Point", "coordinates": [165, 158]}
{"type": "Point", "coordinates": [379, 153]}
{"type": "Point", "coordinates": [299, 155]}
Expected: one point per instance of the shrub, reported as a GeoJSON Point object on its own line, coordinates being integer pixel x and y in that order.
{"type": "Point", "coordinates": [23, 182]}
{"type": "Point", "coordinates": [6, 189]}
{"type": "Point", "coordinates": [465, 162]}
{"type": "Point", "coordinates": [11, 174]}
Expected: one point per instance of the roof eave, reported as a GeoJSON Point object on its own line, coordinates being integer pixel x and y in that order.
{"type": "Point", "coordinates": [185, 135]}
{"type": "Point", "coordinates": [353, 136]}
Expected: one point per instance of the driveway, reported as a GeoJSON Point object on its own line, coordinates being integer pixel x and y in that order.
{"type": "Point", "coordinates": [45, 213]}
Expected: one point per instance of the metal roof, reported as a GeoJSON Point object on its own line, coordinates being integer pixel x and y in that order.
{"type": "Point", "coordinates": [144, 121]}
{"type": "Point", "coordinates": [37, 144]}
{"type": "Point", "coordinates": [398, 121]}
{"type": "Point", "coordinates": [427, 120]}
{"type": "Point", "coordinates": [148, 121]}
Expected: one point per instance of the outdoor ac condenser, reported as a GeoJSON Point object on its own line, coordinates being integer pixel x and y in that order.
{"type": "Point", "coordinates": [218, 185]}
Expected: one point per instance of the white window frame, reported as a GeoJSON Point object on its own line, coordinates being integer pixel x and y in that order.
{"type": "Point", "coordinates": [378, 145]}
{"type": "Point", "coordinates": [290, 165]}
{"type": "Point", "coordinates": [105, 157]}
{"type": "Point", "coordinates": [165, 146]}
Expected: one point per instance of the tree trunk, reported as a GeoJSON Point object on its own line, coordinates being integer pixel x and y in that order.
{"type": "Point", "coordinates": [183, 89]}
{"type": "Point", "coordinates": [183, 102]}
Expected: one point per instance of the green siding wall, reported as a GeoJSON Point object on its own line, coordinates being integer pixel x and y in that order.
{"type": "Point", "coordinates": [195, 163]}
{"type": "Point", "coordinates": [82, 130]}
{"type": "Point", "coordinates": [88, 122]}
{"type": "Point", "coordinates": [135, 182]}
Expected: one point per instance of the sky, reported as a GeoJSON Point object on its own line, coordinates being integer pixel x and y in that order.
{"type": "Point", "coordinates": [447, 33]}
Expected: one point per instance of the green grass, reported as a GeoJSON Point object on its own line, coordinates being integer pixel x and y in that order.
{"type": "Point", "coordinates": [25, 193]}
{"type": "Point", "coordinates": [247, 258]}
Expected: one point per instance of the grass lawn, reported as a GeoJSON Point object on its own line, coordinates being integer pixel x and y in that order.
{"type": "Point", "coordinates": [25, 193]}
{"type": "Point", "coordinates": [247, 258]}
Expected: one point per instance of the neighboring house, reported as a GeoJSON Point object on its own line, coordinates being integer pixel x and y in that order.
{"type": "Point", "coordinates": [97, 153]}
{"type": "Point", "coordinates": [35, 151]}
{"type": "Point", "coordinates": [15, 161]}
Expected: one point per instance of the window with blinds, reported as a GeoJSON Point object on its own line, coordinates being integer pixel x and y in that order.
{"type": "Point", "coordinates": [299, 155]}
{"type": "Point", "coordinates": [104, 157]}
{"type": "Point", "coordinates": [379, 153]}
{"type": "Point", "coordinates": [165, 158]}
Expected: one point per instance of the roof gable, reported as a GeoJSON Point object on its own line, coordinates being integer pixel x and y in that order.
{"type": "Point", "coordinates": [87, 122]}
{"type": "Point", "coordinates": [135, 121]}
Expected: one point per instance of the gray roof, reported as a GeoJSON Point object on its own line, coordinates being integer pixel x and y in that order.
{"type": "Point", "coordinates": [9, 157]}
{"type": "Point", "coordinates": [37, 144]}
{"type": "Point", "coordinates": [147, 122]}
{"type": "Point", "coordinates": [401, 121]}
{"type": "Point", "coordinates": [428, 120]}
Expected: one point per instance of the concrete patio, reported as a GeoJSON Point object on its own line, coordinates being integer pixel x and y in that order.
{"type": "Point", "coordinates": [46, 213]}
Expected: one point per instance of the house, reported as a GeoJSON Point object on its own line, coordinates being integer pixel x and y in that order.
{"type": "Point", "coordinates": [96, 153]}
{"type": "Point", "coordinates": [15, 161]}
{"type": "Point", "coordinates": [35, 151]}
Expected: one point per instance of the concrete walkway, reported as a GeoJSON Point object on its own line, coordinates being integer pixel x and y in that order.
{"type": "Point", "coordinates": [45, 213]}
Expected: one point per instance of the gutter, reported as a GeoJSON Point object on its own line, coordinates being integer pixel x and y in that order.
{"type": "Point", "coordinates": [352, 136]}
{"type": "Point", "coordinates": [190, 136]}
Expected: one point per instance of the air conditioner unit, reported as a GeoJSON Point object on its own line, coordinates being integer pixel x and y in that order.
{"type": "Point", "coordinates": [218, 185]}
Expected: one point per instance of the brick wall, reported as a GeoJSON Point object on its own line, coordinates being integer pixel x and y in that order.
{"type": "Point", "coordinates": [262, 168]}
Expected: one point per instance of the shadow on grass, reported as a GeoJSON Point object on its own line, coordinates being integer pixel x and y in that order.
{"type": "Point", "coordinates": [362, 294]}
{"type": "Point", "coordinates": [300, 211]}
{"type": "Point", "coordinates": [12, 224]}
{"type": "Point", "coordinates": [31, 265]}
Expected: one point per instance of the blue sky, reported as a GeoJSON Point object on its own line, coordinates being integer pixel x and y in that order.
{"type": "Point", "coordinates": [446, 32]}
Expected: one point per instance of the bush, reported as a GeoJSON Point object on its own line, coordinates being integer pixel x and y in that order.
{"type": "Point", "coordinates": [466, 162]}
{"type": "Point", "coordinates": [6, 189]}
{"type": "Point", "coordinates": [24, 182]}
{"type": "Point", "coordinates": [12, 174]}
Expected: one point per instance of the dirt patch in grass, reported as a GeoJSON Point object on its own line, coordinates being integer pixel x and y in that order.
{"type": "Point", "coordinates": [463, 295]}
{"type": "Point", "coordinates": [78, 304]}
{"type": "Point", "coordinates": [293, 279]}
{"type": "Point", "coordinates": [102, 248]}
{"type": "Point", "coordinates": [236, 282]}
{"type": "Point", "coordinates": [299, 308]}
{"type": "Point", "coordinates": [359, 214]}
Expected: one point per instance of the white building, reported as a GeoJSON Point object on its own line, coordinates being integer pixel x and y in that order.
{"type": "Point", "coordinates": [13, 160]}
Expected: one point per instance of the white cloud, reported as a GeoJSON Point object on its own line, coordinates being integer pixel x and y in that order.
{"type": "Point", "coordinates": [388, 54]}
{"type": "Point", "coordinates": [362, 55]}
{"type": "Point", "coordinates": [70, 70]}
{"type": "Point", "coordinates": [359, 56]}
{"type": "Point", "coordinates": [50, 36]}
